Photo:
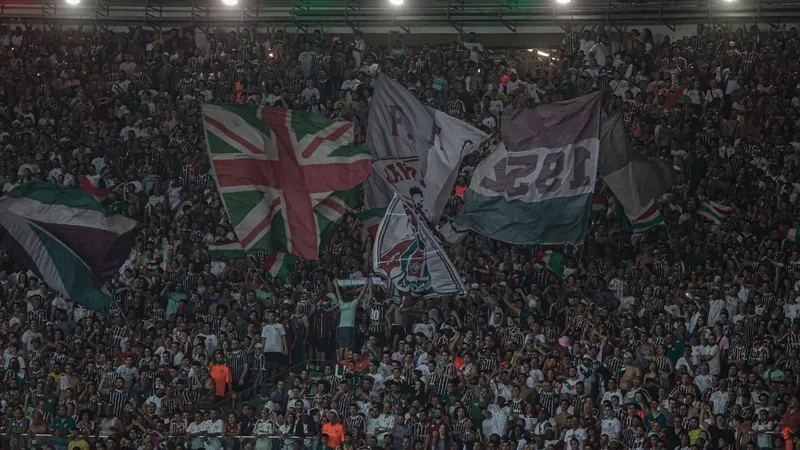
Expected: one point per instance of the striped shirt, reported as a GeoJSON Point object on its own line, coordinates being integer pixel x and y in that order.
{"type": "Point", "coordinates": [749, 61]}
{"type": "Point", "coordinates": [437, 384]}
{"type": "Point", "coordinates": [549, 400]}
{"type": "Point", "coordinates": [237, 361]}
{"type": "Point", "coordinates": [343, 403]}
{"type": "Point", "coordinates": [139, 80]}
{"type": "Point", "coordinates": [418, 431]}
{"type": "Point", "coordinates": [355, 423]}
{"type": "Point", "coordinates": [377, 315]}
{"type": "Point", "coordinates": [15, 426]}
{"type": "Point", "coordinates": [117, 398]}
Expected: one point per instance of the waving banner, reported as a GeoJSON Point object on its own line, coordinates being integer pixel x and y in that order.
{"type": "Point", "coordinates": [536, 187]}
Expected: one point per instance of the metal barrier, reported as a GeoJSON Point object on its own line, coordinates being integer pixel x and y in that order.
{"type": "Point", "coordinates": [43, 441]}
{"type": "Point", "coordinates": [251, 393]}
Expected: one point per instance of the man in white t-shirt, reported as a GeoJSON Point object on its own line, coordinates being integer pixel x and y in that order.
{"type": "Point", "coordinates": [213, 427]}
{"type": "Point", "coordinates": [273, 336]}
{"type": "Point", "coordinates": [475, 48]}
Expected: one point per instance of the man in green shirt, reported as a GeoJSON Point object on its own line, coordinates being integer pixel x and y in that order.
{"type": "Point", "coordinates": [62, 423]}
{"type": "Point", "coordinates": [346, 333]}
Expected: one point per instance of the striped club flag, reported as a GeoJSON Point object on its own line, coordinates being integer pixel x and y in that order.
{"type": "Point", "coordinates": [98, 192]}
{"type": "Point", "coordinates": [371, 218]}
{"type": "Point", "coordinates": [678, 98]}
{"type": "Point", "coordinates": [552, 261]}
{"type": "Point", "coordinates": [715, 212]}
{"type": "Point", "coordinates": [650, 218]}
{"type": "Point", "coordinates": [279, 264]}
{"type": "Point", "coordinates": [68, 239]}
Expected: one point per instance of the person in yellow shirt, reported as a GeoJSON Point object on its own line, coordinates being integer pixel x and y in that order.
{"type": "Point", "coordinates": [76, 441]}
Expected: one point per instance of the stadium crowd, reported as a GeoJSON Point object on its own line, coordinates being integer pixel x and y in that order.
{"type": "Point", "coordinates": [683, 337]}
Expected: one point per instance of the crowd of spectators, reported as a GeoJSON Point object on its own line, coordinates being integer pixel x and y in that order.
{"type": "Point", "coordinates": [684, 337]}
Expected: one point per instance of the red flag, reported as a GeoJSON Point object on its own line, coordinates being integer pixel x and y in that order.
{"type": "Point", "coordinates": [99, 193]}
{"type": "Point", "coordinates": [679, 97]}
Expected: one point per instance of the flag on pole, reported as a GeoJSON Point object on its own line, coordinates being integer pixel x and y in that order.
{"type": "Point", "coordinates": [285, 177]}
{"type": "Point", "coordinates": [552, 261]}
{"type": "Point", "coordinates": [637, 181]}
{"type": "Point", "coordinates": [539, 190]}
{"type": "Point", "coordinates": [715, 212]}
{"type": "Point", "coordinates": [276, 263]}
{"type": "Point", "coordinates": [93, 188]}
{"type": "Point", "coordinates": [233, 250]}
{"type": "Point", "coordinates": [279, 264]}
{"type": "Point", "coordinates": [678, 98]}
{"type": "Point", "coordinates": [371, 218]}
{"type": "Point", "coordinates": [408, 254]}
{"type": "Point", "coordinates": [67, 239]}
{"type": "Point", "coordinates": [650, 218]}
{"type": "Point", "coordinates": [418, 149]}
{"type": "Point", "coordinates": [377, 196]}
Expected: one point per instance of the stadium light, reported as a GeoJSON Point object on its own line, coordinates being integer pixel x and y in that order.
{"type": "Point", "coordinates": [73, 2]}
{"type": "Point", "coordinates": [562, 2]}
{"type": "Point", "coordinates": [396, 2]}
{"type": "Point", "coordinates": [230, 2]}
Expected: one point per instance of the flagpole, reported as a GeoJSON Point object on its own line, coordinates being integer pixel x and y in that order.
{"type": "Point", "coordinates": [263, 280]}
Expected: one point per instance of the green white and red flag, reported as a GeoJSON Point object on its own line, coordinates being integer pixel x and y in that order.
{"type": "Point", "coordinates": [715, 212]}
{"type": "Point", "coordinates": [678, 98]}
{"type": "Point", "coordinates": [552, 261]}
{"type": "Point", "coordinates": [285, 177]}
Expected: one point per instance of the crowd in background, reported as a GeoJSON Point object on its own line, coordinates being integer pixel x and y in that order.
{"type": "Point", "coordinates": [684, 337]}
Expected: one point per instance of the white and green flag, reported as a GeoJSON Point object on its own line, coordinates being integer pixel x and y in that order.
{"type": "Point", "coordinates": [67, 239]}
{"type": "Point", "coordinates": [536, 188]}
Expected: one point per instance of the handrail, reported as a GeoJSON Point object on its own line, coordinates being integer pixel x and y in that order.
{"type": "Point", "coordinates": [247, 393]}
{"type": "Point", "coordinates": [106, 436]}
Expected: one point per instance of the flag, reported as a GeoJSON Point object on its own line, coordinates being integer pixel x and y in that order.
{"type": "Point", "coordinates": [539, 189]}
{"type": "Point", "coordinates": [233, 250]}
{"type": "Point", "coordinates": [67, 238]}
{"type": "Point", "coordinates": [377, 196]}
{"type": "Point", "coordinates": [371, 218]}
{"type": "Point", "coordinates": [599, 203]}
{"type": "Point", "coordinates": [678, 98]}
{"type": "Point", "coordinates": [767, 264]}
{"type": "Point", "coordinates": [410, 256]}
{"type": "Point", "coordinates": [98, 192]}
{"type": "Point", "coordinates": [279, 264]}
{"type": "Point", "coordinates": [285, 177]}
{"type": "Point", "coordinates": [174, 300]}
{"type": "Point", "coordinates": [650, 218]}
{"type": "Point", "coordinates": [792, 234]}
{"type": "Point", "coordinates": [552, 261]}
{"type": "Point", "coordinates": [418, 149]}
{"type": "Point", "coordinates": [453, 233]}
{"type": "Point", "coordinates": [637, 181]}
{"type": "Point", "coordinates": [715, 212]}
